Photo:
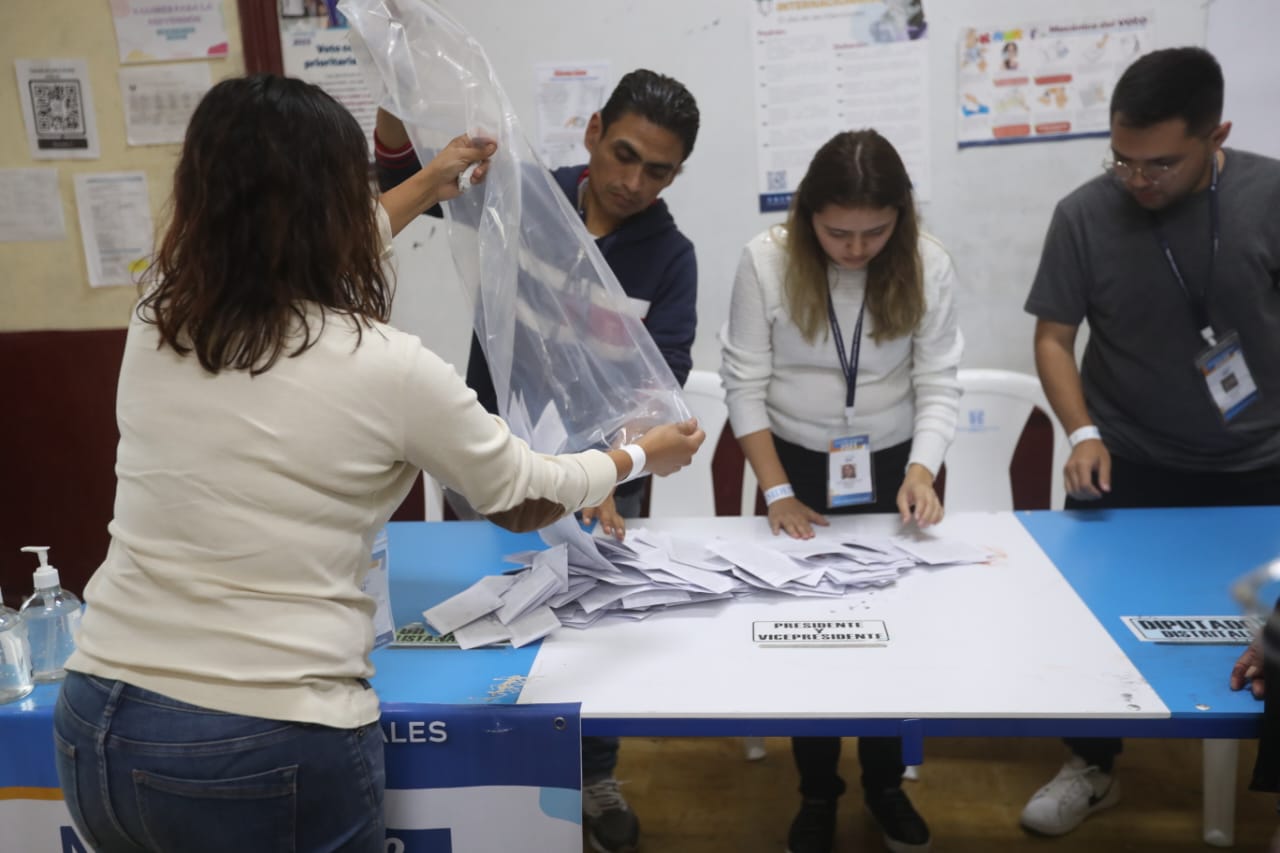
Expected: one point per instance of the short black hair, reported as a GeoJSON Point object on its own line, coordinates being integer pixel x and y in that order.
{"type": "Point", "coordinates": [658, 98]}
{"type": "Point", "coordinates": [1179, 82]}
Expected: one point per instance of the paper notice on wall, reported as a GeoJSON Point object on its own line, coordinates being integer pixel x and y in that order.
{"type": "Point", "coordinates": [1040, 82]}
{"type": "Point", "coordinates": [159, 99]}
{"type": "Point", "coordinates": [163, 30]}
{"type": "Point", "coordinates": [822, 68]}
{"type": "Point", "coordinates": [30, 205]}
{"type": "Point", "coordinates": [315, 48]}
{"type": "Point", "coordinates": [57, 107]}
{"type": "Point", "coordinates": [115, 224]}
{"type": "Point", "coordinates": [567, 96]}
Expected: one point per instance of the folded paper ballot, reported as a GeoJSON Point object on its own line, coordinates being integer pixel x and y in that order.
{"type": "Point", "coordinates": [480, 599]}
{"type": "Point", "coordinates": [581, 579]}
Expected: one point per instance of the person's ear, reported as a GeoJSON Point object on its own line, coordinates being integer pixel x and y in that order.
{"type": "Point", "coordinates": [1219, 135]}
{"type": "Point", "coordinates": [595, 130]}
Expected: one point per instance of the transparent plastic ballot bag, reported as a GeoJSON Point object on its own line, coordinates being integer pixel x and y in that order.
{"type": "Point", "coordinates": [1256, 590]}
{"type": "Point", "coordinates": [573, 367]}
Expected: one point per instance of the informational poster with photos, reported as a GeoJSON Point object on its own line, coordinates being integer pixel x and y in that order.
{"type": "Point", "coordinates": [1036, 82]}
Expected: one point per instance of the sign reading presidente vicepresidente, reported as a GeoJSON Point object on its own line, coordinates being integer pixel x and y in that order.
{"type": "Point", "coordinates": [830, 632]}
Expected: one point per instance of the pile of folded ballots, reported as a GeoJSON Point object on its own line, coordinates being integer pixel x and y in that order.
{"type": "Point", "coordinates": [581, 579]}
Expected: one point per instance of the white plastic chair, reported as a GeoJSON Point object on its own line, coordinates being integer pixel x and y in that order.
{"type": "Point", "coordinates": [993, 413]}
{"type": "Point", "coordinates": [1218, 773]}
{"type": "Point", "coordinates": [432, 498]}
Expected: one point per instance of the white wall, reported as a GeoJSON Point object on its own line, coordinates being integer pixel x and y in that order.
{"type": "Point", "coordinates": [990, 205]}
{"type": "Point", "coordinates": [1242, 36]}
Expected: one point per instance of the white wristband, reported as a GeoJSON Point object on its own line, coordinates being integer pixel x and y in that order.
{"type": "Point", "coordinates": [638, 460]}
{"type": "Point", "coordinates": [1085, 433]}
{"type": "Point", "coordinates": [464, 177]}
{"type": "Point", "coordinates": [777, 493]}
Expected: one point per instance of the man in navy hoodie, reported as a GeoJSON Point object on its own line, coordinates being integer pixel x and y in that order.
{"type": "Point", "coordinates": [637, 144]}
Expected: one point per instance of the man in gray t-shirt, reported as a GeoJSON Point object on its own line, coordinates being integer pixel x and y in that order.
{"type": "Point", "coordinates": [1159, 413]}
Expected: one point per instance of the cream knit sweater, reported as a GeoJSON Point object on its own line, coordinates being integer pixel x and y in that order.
{"type": "Point", "coordinates": [774, 379]}
{"type": "Point", "coordinates": [246, 508]}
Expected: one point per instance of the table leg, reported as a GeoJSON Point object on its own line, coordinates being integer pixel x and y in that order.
{"type": "Point", "coordinates": [912, 742]}
{"type": "Point", "coordinates": [1220, 758]}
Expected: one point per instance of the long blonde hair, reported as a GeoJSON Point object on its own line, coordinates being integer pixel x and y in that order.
{"type": "Point", "coordinates": [855, 169]}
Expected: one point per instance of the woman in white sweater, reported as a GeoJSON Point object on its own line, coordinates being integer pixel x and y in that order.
{"type": "Point", "coordinates": [270, 423]}
{"type": "Point", "coordinates": [839, 364]}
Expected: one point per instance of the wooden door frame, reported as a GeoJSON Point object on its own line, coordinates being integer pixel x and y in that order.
{"type": "Point", "coordinates": [260, 36]}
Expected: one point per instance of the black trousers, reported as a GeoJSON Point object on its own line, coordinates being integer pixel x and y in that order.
{"type": "Point", "coordinates": [817, 757]}
{"type": "Point", "coordinates": [1135, 485]}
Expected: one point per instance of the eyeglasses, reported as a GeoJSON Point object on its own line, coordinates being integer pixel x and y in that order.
{"type": "Point", "coordinates": [1124, 171]}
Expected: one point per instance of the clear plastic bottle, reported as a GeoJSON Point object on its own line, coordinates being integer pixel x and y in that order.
{"type": "Point", "coordinates": [52, 616]}
{"type": "Point", "coordinates": [15, 656]}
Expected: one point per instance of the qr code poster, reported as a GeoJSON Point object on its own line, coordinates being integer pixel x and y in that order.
{"type": "Point", "coordinates": [57, 106]}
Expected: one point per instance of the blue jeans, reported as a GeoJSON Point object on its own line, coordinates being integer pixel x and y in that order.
{"type": "Point", "coordinates": [143, 772]}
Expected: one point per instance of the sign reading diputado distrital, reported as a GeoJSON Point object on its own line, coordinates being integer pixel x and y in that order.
{"type": "Point", "coordinates": [828, 632]}
{"type": "Point", "coordinates": [1210, 630]}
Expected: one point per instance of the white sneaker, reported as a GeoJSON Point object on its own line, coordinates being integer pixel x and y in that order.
{"type": "Point", "coordinates": [1076, 792]}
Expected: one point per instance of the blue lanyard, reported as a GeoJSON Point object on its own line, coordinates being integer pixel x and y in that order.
{"type": "Point", "coordinates": [1199, 305]}
{"type": "Point", "coordinates": [850, 367]}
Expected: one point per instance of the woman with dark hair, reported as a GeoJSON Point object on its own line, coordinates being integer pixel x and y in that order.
{"type": "Point", "coordinates": [270, 422]}
{"type": "Point", "coordinates": [805, 399]}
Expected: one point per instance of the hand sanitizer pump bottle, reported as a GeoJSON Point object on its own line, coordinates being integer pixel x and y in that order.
{"type": "Point", "coordinates": [52, 616]}
{"type": "Point", "coordinates": [15, 656]}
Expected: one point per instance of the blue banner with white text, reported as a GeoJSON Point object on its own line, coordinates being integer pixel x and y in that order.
{"type": "Point", "coordinates": [480, 778]}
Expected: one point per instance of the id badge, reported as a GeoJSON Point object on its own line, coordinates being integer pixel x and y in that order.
{"type": "Point", "coordinates": [1225, 372]}
{"type": "Point", "coordinates": [377, 586]}
{"type": "Point", "coordinates": [850, 477]}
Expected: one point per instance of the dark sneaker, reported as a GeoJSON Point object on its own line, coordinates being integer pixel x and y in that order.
{"type": "Point", "coordinates": [611, 825]}
{"type": "Point", "coordinates": [814, 827]}
{"type": "Point", "coordinates": [904, 830]}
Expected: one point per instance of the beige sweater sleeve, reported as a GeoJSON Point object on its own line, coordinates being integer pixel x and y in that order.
{"type": "Point", "coordinates": [746, 349]}
{"type": "Point", "coordinates": [937, 346]}
{"type": "Point", "coordinates": [449, 435]}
